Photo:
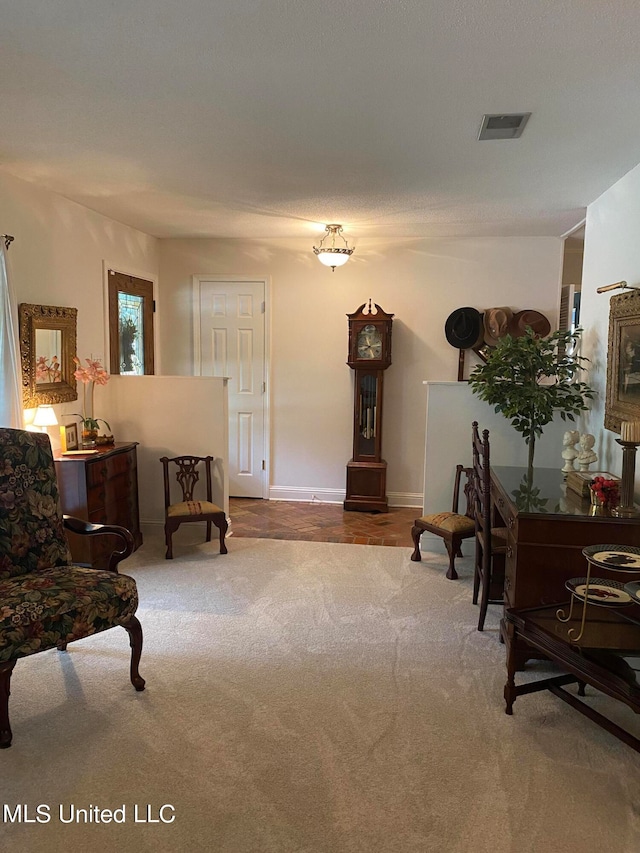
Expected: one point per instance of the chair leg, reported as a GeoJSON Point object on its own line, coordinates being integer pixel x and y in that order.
{"type": "Point", "coordinates": [416, 533]}
{"type": "Point", "coordinates": [208, 531]}
{"type": "Point", "coordinates": [484, 596]}
{"type": "Point", "coordinates": [5, 679]}
{"type": "Point", "coordinates": [134, 629]}
{"type": "Point", "coordinates": [452, 549]}
{"type": "Point", "coordinates": [476, 572]}
{"type": "Point", "coordinates": [168, 533]}
{"type": "Point", "coordinates": [223, 527]}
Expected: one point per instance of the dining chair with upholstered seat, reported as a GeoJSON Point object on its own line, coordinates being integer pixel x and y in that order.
{"type": "Point", "coordinates": [188, 509]}
{"type": "Point", "coordinates": [491, 541]}
{"type": "Point", "coordinates": [452, 527]}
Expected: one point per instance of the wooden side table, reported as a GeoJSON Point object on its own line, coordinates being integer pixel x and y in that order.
{"type": "Point", "coordinates": [600, 658]}
{"type": "Point", "coordinates": [100, 487]}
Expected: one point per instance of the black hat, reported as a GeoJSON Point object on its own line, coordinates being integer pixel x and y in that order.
{"type": "Point", "coordinates": [464, 328]}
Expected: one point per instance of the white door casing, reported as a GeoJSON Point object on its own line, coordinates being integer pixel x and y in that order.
{"type": "Point", "coordinates": [230, 340]}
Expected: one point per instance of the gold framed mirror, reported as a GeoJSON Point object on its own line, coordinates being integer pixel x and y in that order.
{"type": "Point", "coordinates": [47, 347]}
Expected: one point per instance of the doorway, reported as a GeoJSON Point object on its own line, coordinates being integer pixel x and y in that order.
{"type": "Point", "coordinates": [230, 319]}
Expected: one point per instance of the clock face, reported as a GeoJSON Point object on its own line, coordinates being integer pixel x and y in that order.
{"type": "Point", "coordinates": [369, 343]}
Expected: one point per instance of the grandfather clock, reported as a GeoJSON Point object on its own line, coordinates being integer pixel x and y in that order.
{"type": "Point", "coordinates": [369, 356]}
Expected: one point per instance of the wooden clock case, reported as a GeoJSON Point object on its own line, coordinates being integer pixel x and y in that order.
{"type": "Point", "coordinates": [369, 356]}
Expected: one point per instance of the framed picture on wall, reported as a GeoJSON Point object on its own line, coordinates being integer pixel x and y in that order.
{"type": "Point", "coordinates": [623, 361]}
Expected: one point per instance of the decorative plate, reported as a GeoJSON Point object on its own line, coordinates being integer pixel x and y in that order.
{"type": "Point", "coordinates": [601, 591]}
{"type": "Point", "coordinates": [633, 588]}
{"type": "Point", "coordinates": [618, 558]}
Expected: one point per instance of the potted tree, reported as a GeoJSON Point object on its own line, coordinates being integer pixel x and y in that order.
{"type": "Point", "coordinates": [530, 378]}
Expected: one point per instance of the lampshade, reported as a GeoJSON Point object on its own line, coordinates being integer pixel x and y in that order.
{"type": "Point", "coordinates": [331, 255]}
{"type": "Point", "coordinates": [45, 416]}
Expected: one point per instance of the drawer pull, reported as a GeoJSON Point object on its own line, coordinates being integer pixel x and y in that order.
{"type": "Point", "coordinates": [509, 552]}
{"type": "Point", "coordinates": [507, 582]}
{"type": "Point", "coordinates": [501, 503]}
{"type": "Point", "coordinates": [511, 523]}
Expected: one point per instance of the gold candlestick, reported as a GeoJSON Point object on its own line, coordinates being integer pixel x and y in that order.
{"type": "Point", "coordinates": [627, 508]}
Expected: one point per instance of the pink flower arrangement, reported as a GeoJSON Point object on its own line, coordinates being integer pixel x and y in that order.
{"type": "Point", "coordinates": [91, 375]}
{"type": "Point", "coordinates": [48, 370]}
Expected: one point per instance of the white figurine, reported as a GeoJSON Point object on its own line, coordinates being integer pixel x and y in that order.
{"type": "Point", "coordinates": [569, 452]}
{"type": "Point", "coordinates": [587, 454]}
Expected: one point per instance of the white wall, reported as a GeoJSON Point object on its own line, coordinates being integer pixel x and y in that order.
{"type": "Point", "coordinates": [422, 282]}
{"type": "Point", "coordinates": [59, 252]}
{"type": "Point", "coordinates": [611, 253]}
{"type": "Point", "coordinates": [170, 416]}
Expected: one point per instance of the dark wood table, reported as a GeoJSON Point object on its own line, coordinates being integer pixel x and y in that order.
{"type": "Point", "coordinates": [606, 657]}
{"type": "Point", "coordinates": [547, 528]}
{"type": "Point", "coordinates": [546, 532]}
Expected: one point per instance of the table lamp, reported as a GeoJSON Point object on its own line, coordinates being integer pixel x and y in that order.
{"type": "Point", "coordinates": [45, 417]}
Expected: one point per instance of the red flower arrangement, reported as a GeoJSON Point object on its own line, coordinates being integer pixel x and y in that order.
{"type": "Point", "coordinates": [606, 492]}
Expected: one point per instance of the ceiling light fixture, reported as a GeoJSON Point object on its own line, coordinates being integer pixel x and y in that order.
{"type": "Point", "coordinates": [331, 255]}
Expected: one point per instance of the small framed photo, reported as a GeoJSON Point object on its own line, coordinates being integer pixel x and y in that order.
{"type": "Point", "coordinates": [70, 437]}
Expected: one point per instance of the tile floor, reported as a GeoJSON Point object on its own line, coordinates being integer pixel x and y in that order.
{"type": "Point", "coordinates": [318, 522]}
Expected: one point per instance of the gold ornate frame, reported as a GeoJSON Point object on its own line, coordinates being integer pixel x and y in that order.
{"type": "Point", "coordinates": [623, 361]}
{"type": "Point", "coordinates": [50, 317]}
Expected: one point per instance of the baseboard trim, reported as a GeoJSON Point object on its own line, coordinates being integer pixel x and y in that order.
{"type": "Point", "coordinates": [336, 496]}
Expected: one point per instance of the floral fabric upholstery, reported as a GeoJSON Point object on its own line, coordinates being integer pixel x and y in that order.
{"type": "Point", "coordinates": [39, 610]}
{"type": "Point", "coordinates": [31, 532]}
{"type": "Point", "coordinates": [44, 599]}
{"type": "Point", "coordinates": [185, 508]}
{"type": "Point", "coordinates": [451, 521]}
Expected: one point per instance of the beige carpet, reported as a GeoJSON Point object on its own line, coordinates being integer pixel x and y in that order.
{"type": "Point", "coordinates": [308, 697]}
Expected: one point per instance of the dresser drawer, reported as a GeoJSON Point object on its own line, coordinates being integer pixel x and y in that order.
{"type": "Point", "coordinates": [505, 515]}
{"type": "Point", "coordinates": [103, 489]}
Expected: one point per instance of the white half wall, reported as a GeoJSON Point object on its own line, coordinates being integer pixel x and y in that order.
{"type": "Point", "coordinates": [169, 416]}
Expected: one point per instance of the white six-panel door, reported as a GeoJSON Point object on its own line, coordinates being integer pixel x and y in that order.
{"type": "Point", "coordinates": [232, 344]}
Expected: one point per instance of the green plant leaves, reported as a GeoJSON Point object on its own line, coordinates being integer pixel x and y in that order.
{"type": "Point", "coordinates": [528, 379]}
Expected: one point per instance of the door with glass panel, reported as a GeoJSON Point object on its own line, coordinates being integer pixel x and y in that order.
{"type": "Point", "coordinates": [130, 325]}
{"type": "Point", "coordinates": [232, 343]}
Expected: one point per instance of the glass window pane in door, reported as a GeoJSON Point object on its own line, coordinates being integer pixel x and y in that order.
{"type": "Point", "coordinates": [131, 334]}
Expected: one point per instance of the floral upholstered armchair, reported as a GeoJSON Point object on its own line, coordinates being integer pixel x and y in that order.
{"type": "Point", "coordinates": [45, 600]}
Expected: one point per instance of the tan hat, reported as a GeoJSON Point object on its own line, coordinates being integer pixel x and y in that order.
{"type": "Point", "coordinates": [537, 321]}
{"type": "Point", "coordinates": [496, 324]}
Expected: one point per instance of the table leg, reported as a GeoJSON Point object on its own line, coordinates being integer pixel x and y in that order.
{"type": "Point", "coordinates": [510, 694]}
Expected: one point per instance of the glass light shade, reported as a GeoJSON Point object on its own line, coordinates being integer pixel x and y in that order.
{"type": "Point", "coordinates": [45, 416]}
{"type": "Point", "coordinates": [333, 257]}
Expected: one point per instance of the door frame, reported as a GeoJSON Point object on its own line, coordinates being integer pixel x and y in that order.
{"type": "Point", "coordinates": [136, 273]}
{"type": "Point", "coordinates": [197, 362]}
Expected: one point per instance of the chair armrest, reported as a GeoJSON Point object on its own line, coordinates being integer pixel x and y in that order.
{"type": "Point", "coordinates": [86, 528]}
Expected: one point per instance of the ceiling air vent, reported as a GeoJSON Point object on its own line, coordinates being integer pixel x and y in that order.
{"type": "Point", "coordinates": [503, 126]}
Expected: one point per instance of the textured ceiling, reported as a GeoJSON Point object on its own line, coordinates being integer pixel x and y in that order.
{"type": "Point", "coordinates": [266, 118]}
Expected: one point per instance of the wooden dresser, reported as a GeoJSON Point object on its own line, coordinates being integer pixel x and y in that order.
{"type": "Point", "coordinates": [546, 534]}
{"type": "Point", "coordinates": [547, 528]}
{"type": "Point", "coordinates": [102, 488]}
